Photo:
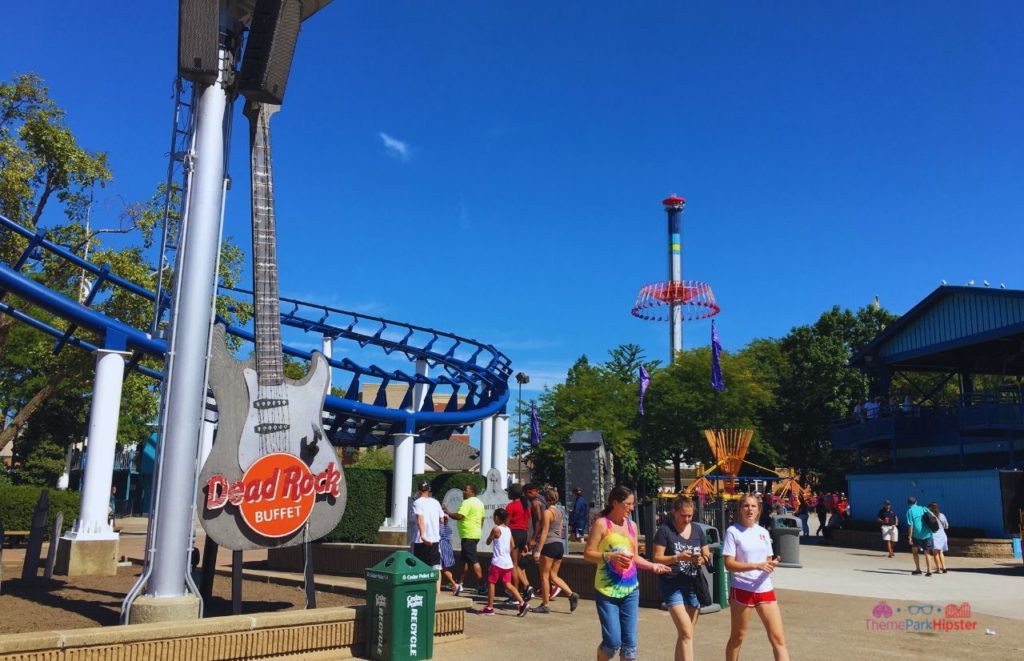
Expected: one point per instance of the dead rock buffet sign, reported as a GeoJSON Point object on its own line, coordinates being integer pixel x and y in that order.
{"type": "Point", "coordinates": [276, 495]}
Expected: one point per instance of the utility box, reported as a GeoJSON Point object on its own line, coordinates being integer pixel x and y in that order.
{"type": "Point", "coordinates": [400, 594]}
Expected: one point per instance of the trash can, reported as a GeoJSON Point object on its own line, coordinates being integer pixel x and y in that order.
{"type": "Point", "coordinates": [719, 577]}
{"type": "Point", "coordinates": [400, 593]}
{"type": "Point", "coordinates": [786, 539]}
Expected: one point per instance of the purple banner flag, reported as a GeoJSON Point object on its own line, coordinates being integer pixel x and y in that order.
{"type": "Point", "coordinates": [534, 426]}
{"type": "Point", "coordinates": [716, 364]}
{"type": "Point", "coordinates": [645, 380]}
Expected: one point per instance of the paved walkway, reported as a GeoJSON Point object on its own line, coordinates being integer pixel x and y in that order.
{"type": "Point", "coordinates": [830, 610]}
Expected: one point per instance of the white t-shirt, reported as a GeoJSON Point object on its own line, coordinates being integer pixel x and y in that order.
{"type": "Point", "coordinates": [501, 551]}
{"type": "Point", "coordinates": [432, 514]}
{"type": "Point", "coordinates": [752, 544]}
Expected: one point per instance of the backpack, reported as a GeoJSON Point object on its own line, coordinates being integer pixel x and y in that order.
{"type": "Point", "coordinates": [930, 521]}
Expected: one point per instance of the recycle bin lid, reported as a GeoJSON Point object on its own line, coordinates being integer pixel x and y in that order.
{"type": "Point", "coordinates": [401, 568]}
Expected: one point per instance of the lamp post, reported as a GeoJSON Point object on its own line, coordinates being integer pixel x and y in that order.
{"type": "Point", "coordinates": [520, 379]}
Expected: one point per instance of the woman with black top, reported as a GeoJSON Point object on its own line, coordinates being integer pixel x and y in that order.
{"type": "Point", "coordinates": [680, 544]}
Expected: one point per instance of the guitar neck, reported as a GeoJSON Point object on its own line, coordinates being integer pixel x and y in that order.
{"type": "Point", "coordinates": [266, 313]}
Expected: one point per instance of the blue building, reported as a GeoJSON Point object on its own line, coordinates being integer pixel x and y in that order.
{"type": "Point", "coordinates": [954, 434]}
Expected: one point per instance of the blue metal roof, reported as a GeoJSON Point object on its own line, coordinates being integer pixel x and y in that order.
{"type": "Point", "coordinates": [954, 328]}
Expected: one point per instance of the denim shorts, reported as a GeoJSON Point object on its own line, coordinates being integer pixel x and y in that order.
{"type": "Point", "coordinates": [678, 591]}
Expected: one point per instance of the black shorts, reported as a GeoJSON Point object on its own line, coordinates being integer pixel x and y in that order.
{"type": "Point", "coordinates": [469, 551]}
{"type": "Point", "coordinates": [519, 538]}
{"type": "Point", "coordinates": [553, 550]}
{"type": "Point", "coordinates": [430, 554]}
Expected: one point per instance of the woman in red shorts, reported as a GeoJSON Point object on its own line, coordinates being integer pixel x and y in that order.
{"type": "Point", "coordinates": [747, 549]}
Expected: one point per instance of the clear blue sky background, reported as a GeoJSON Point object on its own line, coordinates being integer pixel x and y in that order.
{"type": "Point", "coordinates": [829, 152]}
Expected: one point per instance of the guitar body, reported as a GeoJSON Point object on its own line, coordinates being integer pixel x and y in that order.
{"type": "Point", "coordinates": [233, 385]}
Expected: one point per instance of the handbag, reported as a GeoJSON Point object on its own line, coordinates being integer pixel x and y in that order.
{"type": "Point", "coordinates": [702, 586]}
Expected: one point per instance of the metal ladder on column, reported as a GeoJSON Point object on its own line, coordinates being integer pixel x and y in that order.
{"type": "Point", "coordinates": [176, 194]}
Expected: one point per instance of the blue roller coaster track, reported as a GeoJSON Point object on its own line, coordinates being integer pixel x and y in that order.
{"type": "Point", "coordinates": [467, 380]}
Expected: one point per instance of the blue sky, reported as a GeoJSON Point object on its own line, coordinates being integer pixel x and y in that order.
{"type": "Point", "coordinates": [495, 169]}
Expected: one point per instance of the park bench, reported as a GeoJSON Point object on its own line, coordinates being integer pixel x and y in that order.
{"type": "Point", "coordinates": [13, 538]}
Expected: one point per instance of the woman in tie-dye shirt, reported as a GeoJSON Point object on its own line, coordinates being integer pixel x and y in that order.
{"type": "Point", "coordinates": [612, 547]}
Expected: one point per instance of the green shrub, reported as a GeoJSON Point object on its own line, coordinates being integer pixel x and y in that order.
{"type": "Point", "coordinates": [366, 506]}
{"type": "Point", "coordinates": [440, 483]}
{"type": "Point", "coordinates": [18, 503]}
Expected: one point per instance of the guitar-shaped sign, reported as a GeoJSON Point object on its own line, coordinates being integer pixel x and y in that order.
{"type": "Point", "coordinates": [272, 478]}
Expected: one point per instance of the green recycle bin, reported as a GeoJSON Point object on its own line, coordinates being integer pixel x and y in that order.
{"type": "Point", "coordinates": [400, 594]}
{"type": "Point", "coordinates": [719, 577]}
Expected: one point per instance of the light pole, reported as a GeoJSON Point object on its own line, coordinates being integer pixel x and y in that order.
{"type": "Point", "coordinates": [520, 379]}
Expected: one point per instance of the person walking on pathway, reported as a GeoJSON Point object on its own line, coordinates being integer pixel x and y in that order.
{"type": "Point", "coordinates": [447, 554]}
{"type": "Point", "coordinates": [470, 523]}
{"type": "Point", "coordinates": [519, 523]}
{"type": "Point", "coordinates": [680, 544]}
{"type": "Point", "coordinates": [612, 547]}
{"type": "Point", "coordinates": [426, 539]}
{"type": "Point", "coordinates": [549, 554]}
{"type": "Point", "coordinates": [747, 549]}
{"type": "Point", "coordinates": [940, 541]}
{"type": "Point", "coordinates": [803, 512]}
{"type": "Point", "coordinates": [580, 507]}
{"type": "Point", "coordinates": [890, 526]}
{"type": "Point", "coordinates": [821, 509]}
{"type": "Point", "coordinates": [500, 570]}
{"type": "Point", "coordinates": [918, 530]}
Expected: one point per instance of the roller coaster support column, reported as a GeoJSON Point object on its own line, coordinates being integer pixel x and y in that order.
{"type": "Point", "coordinates": [401, 483]}
{"type": "Point", "coordinates": [419, 454]}
{"type": "Point", "coordinates": [90, 548]}
{"type": "Point", "coordinates": [500, 452]}
{"type": "Point", "coordinates": [169, 593]}
{"type": "Point", "coordinates": [486, 445]}
{"type": "Point", "coordinates": [327, 348]}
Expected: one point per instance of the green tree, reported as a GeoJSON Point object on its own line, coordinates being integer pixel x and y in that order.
{"type": "Point", "coordinates": [41, 162]}
{"type": "Point", "coordinates": [814, 387]}
{"type": "Point", "coordinates": [601, 397]}
{"type": "Point", "coordinates": [681, 404]}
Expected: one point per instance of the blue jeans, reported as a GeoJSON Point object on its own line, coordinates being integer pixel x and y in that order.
{"type": "Point", "coordinates": [618, 623]}
{"type": "Point", "coordinates": [676, 591]}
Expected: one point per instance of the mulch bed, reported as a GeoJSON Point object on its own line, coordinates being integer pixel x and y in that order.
{"type": "Point", "coordinates": [92, 601]}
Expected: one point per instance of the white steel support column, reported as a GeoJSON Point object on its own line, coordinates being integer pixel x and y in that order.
{"type": "Point", "coordinates": [486, 445]}
{"type": "Point", "coordinates": [92, 520]}
{"type": "Point", "coordinates": [209, 430]}
{"type": "Point", "coordinates": [401, 483]}
{"type": "Point", "coordinates": [327, 348]}
{"type": "Point", "coordinates": [419, 391]}
{"type": "Point", "coordinates": [500, 452]}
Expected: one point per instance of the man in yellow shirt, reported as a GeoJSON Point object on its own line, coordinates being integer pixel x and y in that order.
{"type": "Point", "coordinates": [470, 522]}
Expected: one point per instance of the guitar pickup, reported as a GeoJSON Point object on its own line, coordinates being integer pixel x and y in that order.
{"type": "Point", "coordinates": [269, 403]}
{"type": "Point", "coordinates": [271, 427]}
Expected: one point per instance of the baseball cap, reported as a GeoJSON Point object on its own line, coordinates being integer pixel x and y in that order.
{"type": "Point", "coordinates": [424, 486]}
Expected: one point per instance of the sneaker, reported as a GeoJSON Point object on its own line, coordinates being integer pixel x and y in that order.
{"type": "Point", "coordinates": [917, 572]}
{"type": "Point", "coordinates": [927, 573]}
{"type": "Point", "coordinates": [456, 589]}
{"type": "Point", "coordinates": [522, 610]}
{"type": "Point", "coordinates": [574, 601]}
{"type": "Point", "coordinates": [540, 609]}
{"type": "Point", "coordinates": [482, 590]}
{"type": "Point", "coordinates": [555, 591]}
{"type": "Point", "coordinates": [511, 601]}
{"type": "Point", "coordinates": [528, 593]}
{"type": "Point", "coordinates": [487, 610]}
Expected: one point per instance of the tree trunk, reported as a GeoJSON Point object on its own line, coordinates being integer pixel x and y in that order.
{"type": "Point", "coordinates": [8, 435]}
{"type": "Point", "coordinates": [678, 473]}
